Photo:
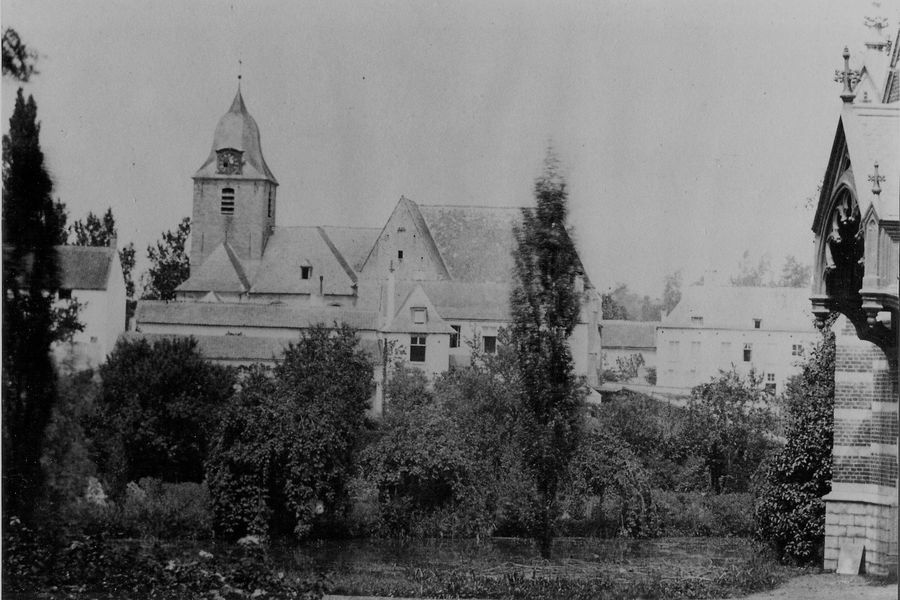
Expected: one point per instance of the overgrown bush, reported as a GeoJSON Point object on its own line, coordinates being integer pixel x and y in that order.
{"type": "Point", "coordinates": [789, 509]}
{"type": "Point", "coordinates": [699, 514]}
{"type": "Point", "coordinates": [157, 410]}
{"type": "Point", "coordinates": [285, 449]}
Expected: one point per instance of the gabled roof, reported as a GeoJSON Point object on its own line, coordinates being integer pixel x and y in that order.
{"type": "Point", "coordinates": [408, 208]}
{"type": "Point", "coordinates": [733, 307]}
{"type": "Point", "coordinates": [244, 349]}
{"type": "Point", "coordinates": [476, 242]}
{"type": "Point", "coordinates": [237, 130]}
{"type": "Point", "coordinates": [403, 321]}
{"type": "Point", "coordinates": [628, 334]}
{"type": "Point", "coordinates": [80, 267]}
{"type": "Point", "coordinates": [288, 249]}
{"type": "Point", "coordinates": [250, 315]}
{"type": "Point", "coordinates": [222, 271]}
{"type": "Point", "coordinates": [85, 267]}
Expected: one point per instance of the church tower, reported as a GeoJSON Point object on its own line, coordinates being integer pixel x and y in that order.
{"type": "Point", "coordinates": [234, 191]}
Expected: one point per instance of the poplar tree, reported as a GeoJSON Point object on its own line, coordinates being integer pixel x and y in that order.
{"type": "Point", "coordinates": [545, 304]}
{"type": "Point", "coordinates": [31, 227]}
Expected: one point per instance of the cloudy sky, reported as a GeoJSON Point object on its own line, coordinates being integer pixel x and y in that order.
{"type": "Point", "coordinates": [689, 131]}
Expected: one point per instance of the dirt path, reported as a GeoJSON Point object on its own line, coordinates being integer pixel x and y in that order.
{"type": "Point", "coordinates": [828, 586]}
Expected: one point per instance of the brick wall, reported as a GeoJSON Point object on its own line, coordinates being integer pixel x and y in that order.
{"type": "Point", "coordinates": [863, 504]}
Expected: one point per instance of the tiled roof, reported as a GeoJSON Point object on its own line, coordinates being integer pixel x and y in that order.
{"type": "Point", "coordinates": [221, 271]}
{"type": "Point", "coordinates": [628, 334]}
{"type": "Point", "coordinates": [288, 249]}
{"type": "Point", "coordinates": [85, 267]}
{"type": "Point", "coordinates": [476, 242]}
{"type": "Point", "coordinates": [238, 130]}
{"type": "Point", "coordinates": [403, 320]}
{"type": "Point", "coordinates": [248, 349]}
{"type": "Point", "coordinates": [353, 243]}
{"type": "Point", "coordinates": [727, 307]}
{"type": "Point", "coordinates": [250, 315]}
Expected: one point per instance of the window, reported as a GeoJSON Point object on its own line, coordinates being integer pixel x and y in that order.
{"type": "Point", "coordinates": [748, 352]}
{"type": "Point", "coordinates": [697, 321]}
{"type": "Point", "coordinates": [770, 377]}
{"type": "Point", "coordinates": [399, 254]}
{"type": "Point", "coordinates": [454, 337]}
{"type": "Point", "coordinates": [673, 351]}
{"type": "Point", "coordinates": [695, 349]}
{"type": "Point", "coordinates": [757, 323]}
{"type": "Point", "coordinates": [797, 350]}
{"type": "Point", "coordinates": [770, 383]}
{"type": "Point", "coordinates": [490, 344]}
{"type": "Point", "coordinates": [271, 194]}
{"type": "Point", "coordinates": [305, 272]}
{"type": "Point", "coordinates": [725, 349]}
{"type": "Point", "coordinates": [417, 348]}
{"type": "Point", "coordinates": [419, 316]}
{"type": "Point", "coordinates": [227, 201]}
{"type": "Point", "coordinates": [65, 294]}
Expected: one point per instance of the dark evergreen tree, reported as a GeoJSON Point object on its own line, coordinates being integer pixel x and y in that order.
{"type": "Point", "coordinates": [30, 277]}
{"type": "Point", "coordinates": [169, 263]}
{"type": "Point", "coordinates": [789, 509]}
{"type": "Point", "coordinates": [18, 59]}
{"type": "Point", "coordinates": [545, 306]}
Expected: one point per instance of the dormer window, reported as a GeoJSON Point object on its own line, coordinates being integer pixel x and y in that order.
{"type": "Point", "coordinates": [419, 315]}
{"type": "Point", "coordinates": [757, 323]}
{"type": "Point", "coordinates": [698, 321]}
{"type": "Point", "coordinates": [306, 272]}
{"type": "Point", "coordinates": [227, 207]}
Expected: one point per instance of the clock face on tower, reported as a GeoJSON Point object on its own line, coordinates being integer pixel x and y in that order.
{"type": "Point", "coordinates": [229, 162]}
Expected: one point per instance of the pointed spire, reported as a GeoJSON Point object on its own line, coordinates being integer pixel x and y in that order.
{"type": "Point", "coordinates": [237, 105]}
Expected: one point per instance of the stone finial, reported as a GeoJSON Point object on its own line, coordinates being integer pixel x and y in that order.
{"type": "Point", "coordinates": [876, 180]}
{"type": "Point", "coordinates": [847, 95]}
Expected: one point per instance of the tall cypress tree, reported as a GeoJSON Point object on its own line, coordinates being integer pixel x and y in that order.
{"type": "Point", "coordinates": [545, 306]}
{"type": "Point", "coordinates": [31, 226]}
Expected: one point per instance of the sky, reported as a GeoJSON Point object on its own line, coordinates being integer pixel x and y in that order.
{"type": "Point", "coordinates": [688, 131]}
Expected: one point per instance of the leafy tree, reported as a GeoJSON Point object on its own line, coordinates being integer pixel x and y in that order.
{"type": "Point", "coordinates": [18, 59]}
{"type": "Point", "coordinates": [94, 231]}
{"type": "Point", "coordinates": [612, 310]}
{"type": "Point", "coordinates": [789, 509]}
{"type": "Point", "coordinates": [734, 424]}
{"type": "Point", "coordinates": [794, 273]}
{"type": "Point", "coordinates": [629, 366]}
{"type": "Point", "coordinates": [157, 410]}
{"type": "Point", "coordinates": [169, 263]}
{"type": "Point", "coordinates": [750, 274]}
{"type": "Point", "coordinates": [545, 308]}
{"type": "Point", "coordinates": [671, 292]}
{"type": "Point", "coordinates": [30, 278]}
{"type": "Point", "coordinates": [285, 447]}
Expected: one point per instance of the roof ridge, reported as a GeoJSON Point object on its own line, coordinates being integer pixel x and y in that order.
{"type": "Point", "coordinates": [337, 254]}
{"type": "Point", "coordinates": [473, 206]}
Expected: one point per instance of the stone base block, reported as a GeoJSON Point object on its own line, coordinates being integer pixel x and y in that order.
{"type": "Point", "coordinates": [873, 525]}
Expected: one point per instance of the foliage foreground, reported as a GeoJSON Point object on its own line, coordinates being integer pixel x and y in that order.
{"type": "Point", "coordinates": [585, 568]}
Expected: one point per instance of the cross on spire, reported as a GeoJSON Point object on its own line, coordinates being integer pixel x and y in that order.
{"type": "Point", "coordinates": [876, 180]}
{"type": "Point", "coordinates": [847, 95]}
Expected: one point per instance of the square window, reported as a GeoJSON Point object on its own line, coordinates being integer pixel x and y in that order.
{"type": "Point", "coordinates": [797, 350]}
{"type": "Point", "coordinates": [65, 294]}
{"type": "Point", "coordinates": [490, 344]}
{"type": "Point", "coordinates": [454, 337]}
{"type": "Point", "coordinates": [305, 272]}
{"type": "Point", "coordinates": [748, 352]}
{"type": "Point", "coordinates": [419, 316]}
{"type": "Point", "coordinates": [417, 348]}
{"type": "Point", "coordinates": [770, 377]}
{"type": "Point", "coordinates": [757, 323]}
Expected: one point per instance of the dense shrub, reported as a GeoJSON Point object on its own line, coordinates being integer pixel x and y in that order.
{"type": "Point", "coordinates": [148, 509]}
{"type": "Point", "coordinates": [699, 514]}
{"type": "Point", "coordinates": [790, 512]}
{"type": "Point", "coordinates": [284, 452]}
{"type": "Point", "coordinates": [156, 412]}
{"type": "Point", "coordinates": [731, 414]}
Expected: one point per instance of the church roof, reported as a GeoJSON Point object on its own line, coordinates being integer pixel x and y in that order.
{"type": "Point", "coordinates": [221, 272]}
{"type": "Point", "coordinates": [735, 307]}
{"type": "Point", "coordinates": [237, 130]}
{"type": "Point", "coordinates": [223, 314]}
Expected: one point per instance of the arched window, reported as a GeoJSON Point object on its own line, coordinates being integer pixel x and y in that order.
{"type": "Point", "coordinates": [227, 207]}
